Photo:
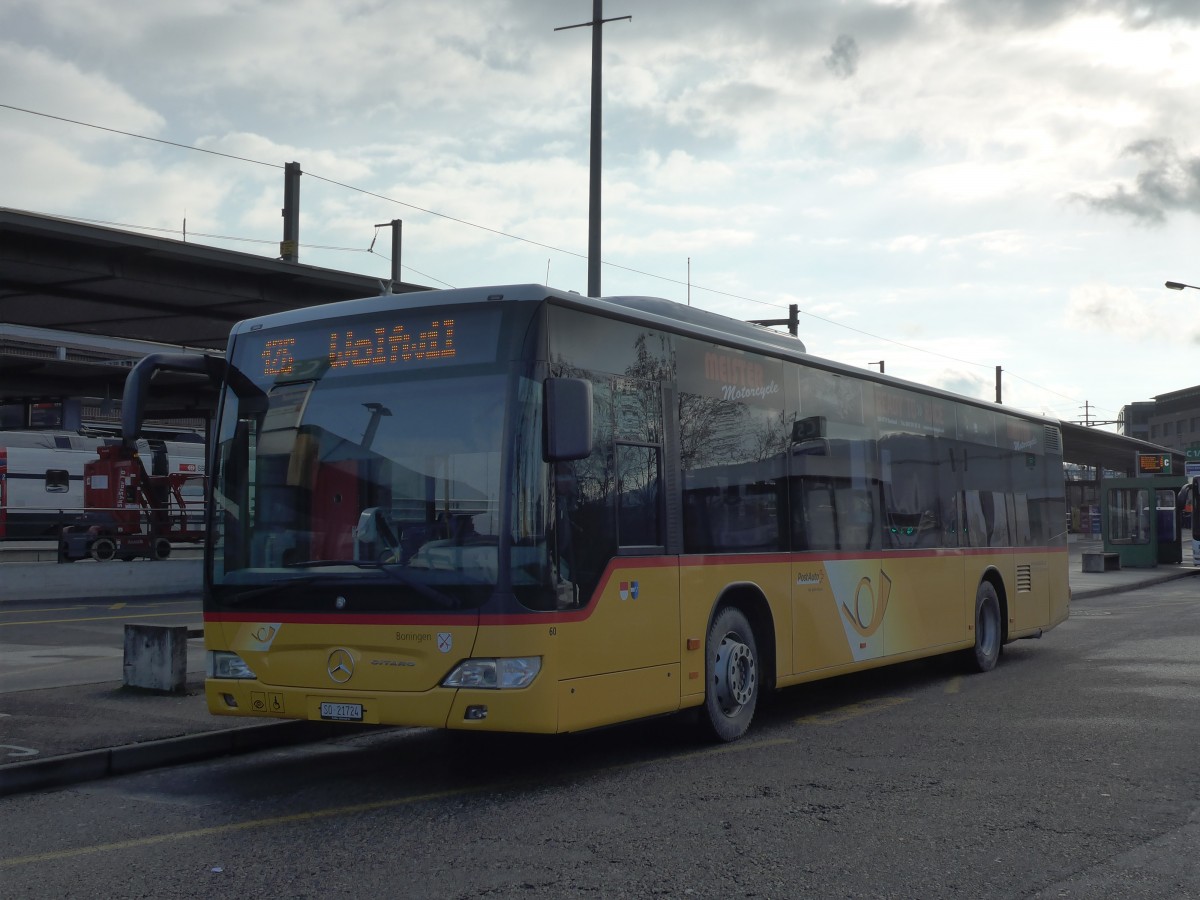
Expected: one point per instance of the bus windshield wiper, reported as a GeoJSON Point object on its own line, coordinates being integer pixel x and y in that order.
{"type": "Point", "coordinates": [393, 571]}
{"type": "Point", "coordinates": [329, 563]}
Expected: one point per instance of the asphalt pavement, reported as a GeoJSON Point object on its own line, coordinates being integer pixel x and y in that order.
{"type": "Point", "coordinates": [66, 733]}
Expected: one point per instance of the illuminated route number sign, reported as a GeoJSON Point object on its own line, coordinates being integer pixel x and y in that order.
{"type": "Point", "coordinates": [1154, 464]}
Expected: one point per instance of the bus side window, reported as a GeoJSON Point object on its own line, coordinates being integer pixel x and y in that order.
{"type": "Point", "coordinates": [817, 511]}
{"type": "Point", "coordinates": [834, 496]}
{"type": "Point", "coordinates": [638, 496]}
{"type": "Point", "coordinates": [586, 498]}
{"type": "Point", "coordinates": [1000, 536]}
{"type": "Point", "coordinates": [1021, 522]}
{"type": "Point", "coordinates": [976, 519]}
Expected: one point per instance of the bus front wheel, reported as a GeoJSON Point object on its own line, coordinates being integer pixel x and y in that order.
{"type": "Point", "coordinates": [731, 670]}
{"type": "Point", "coordinates": [988, 631]}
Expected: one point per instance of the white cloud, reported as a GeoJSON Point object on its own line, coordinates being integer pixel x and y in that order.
{"type": "Point", "coordinates": [1004, 242]}
{"type": "Point", "coordinates": [908, 243]}
{"type": "Point", "coordinates": [856, 177]}
{"type": "Point", "coordinates": [51, 84]}
{"type": "Point", "coordinates": [681, 172]}
{"type": "Point", "coordinates": [920, 189]}
{"type": "Point", "coordinates": [1110, 309]}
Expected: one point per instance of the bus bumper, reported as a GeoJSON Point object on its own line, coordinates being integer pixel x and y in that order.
{"type": "Point", "coordinates": [532, 709]}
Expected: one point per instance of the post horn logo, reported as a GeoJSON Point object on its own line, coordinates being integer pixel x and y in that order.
{"type": "Point", "coordinates": [341, 666]}
{"type": "Point", "coordinates": [867, 615]}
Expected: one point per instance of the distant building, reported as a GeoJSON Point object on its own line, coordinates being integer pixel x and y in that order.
{"type": "Point", "coordinates": [1134, 419]}
{"type": "Point", "coordinates": [1175, 419]}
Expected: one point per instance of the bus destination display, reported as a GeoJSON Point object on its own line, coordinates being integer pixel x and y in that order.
{"type": "Point", "coordinates": [375, 345]}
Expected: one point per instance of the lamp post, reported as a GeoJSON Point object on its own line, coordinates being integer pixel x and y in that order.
{"type": "Point", "coordinates": [1194, 480]}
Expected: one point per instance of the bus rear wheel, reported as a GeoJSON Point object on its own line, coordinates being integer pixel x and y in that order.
{"type": "Point", "coordinates": [731, 672]}
{"type": "Point", "coordinates": [988, 630]}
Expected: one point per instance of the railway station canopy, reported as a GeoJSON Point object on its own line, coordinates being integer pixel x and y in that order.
{"type": "Point", "coordinates": [81, 303]}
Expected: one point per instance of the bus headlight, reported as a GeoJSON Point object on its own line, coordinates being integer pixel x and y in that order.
{"type": "Point", "coordinates": [223, 664]}
{"type": "Point", "coordinates": [506, 672]}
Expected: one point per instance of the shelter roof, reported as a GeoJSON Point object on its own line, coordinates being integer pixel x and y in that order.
{"type": "Point", "coordinates": [1104, 449]}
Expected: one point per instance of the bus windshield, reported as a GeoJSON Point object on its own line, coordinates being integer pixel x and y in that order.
{"type": "Point", "coordinates": [374, 490]}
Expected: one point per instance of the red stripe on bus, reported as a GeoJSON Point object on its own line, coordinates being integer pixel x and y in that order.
{"type": "Point", "coordinates": [341, 618]}
{"type": "Point", "coordinates": [615, 568]}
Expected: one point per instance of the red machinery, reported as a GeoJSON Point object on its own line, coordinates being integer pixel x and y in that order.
{"type": "Point", "coordinates": [120, 496]}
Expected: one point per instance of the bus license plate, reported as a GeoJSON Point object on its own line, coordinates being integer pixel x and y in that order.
{"type": "Point", "coordinates": [342, 712]}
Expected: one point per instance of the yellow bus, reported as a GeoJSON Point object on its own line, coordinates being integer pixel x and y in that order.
{"type": "Point", "coordinates": [520, 509]}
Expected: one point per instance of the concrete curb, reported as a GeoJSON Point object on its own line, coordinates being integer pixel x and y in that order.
{"type": "Point", "coordinates": [48, 581]}
{"type": "Point", "coordinates": [89, 765]}
{"type": "Point", "coordinates": [1123, 588]}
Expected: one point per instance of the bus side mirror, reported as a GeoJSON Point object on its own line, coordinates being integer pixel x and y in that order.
{"type": "Point", "coordinates": [568, 409]}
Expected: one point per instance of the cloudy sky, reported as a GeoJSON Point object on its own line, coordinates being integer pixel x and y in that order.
{"type": "Point", "coordinates": [945, 185]}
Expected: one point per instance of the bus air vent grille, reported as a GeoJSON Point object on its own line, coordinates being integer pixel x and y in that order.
{"type": "Point", "coordinates": [1024, 579]}
{"type": "Point", "coordinates": [1053, 439]}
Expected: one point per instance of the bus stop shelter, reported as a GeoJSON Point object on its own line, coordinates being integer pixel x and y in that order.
{"type": "Point", "coordinates": [1138, 515]}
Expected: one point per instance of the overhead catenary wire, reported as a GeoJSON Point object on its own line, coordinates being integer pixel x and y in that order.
{"type": "Point", "coordinates": [141, 137]}
{"type": "Point", "coordinates": [432, 212]}
{"type": "Point", "coordinates": [465, 222]}
{"type": "Point", "coordinates": [219, 237]}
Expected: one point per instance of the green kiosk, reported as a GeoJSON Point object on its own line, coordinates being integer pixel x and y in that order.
{"type": "Point", "coordinates": [1140, 518]}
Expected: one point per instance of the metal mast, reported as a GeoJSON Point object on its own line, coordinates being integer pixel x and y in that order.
{"type": "Point", "coordinates": [598, 20]}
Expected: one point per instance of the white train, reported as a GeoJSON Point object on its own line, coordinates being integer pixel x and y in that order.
{"type": "Point", "coordinates": [41, 475]}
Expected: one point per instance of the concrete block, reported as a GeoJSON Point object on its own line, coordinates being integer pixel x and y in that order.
{"type": "Point", "coordinates": [1101, 562]}
{"type": "Point", "coordinates": [156, 657]}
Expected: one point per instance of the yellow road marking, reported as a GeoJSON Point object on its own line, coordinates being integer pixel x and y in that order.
{"type": "Point", "coordinates": [954, 685]}
{"type": "Point", "coordinates": [158, 615]}
{"type": "Point", "coordinates": [22, 612]}
{"type": "Point", "coordinates": [42, 667]}
{"type": "Point", "coordinates": [357, 808]}
{"type": "Point", "coordinates": [312, 816]}
{"type": "Point", "coordinates": [50, 609]}
{"type": "Point", "coordinates": [852, 711]}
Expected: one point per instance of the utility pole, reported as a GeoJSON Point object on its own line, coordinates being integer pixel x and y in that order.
{"type": "Point", "coordinates": [880, 363]}
{"type": "Point", "coordinates": [289, 247]}
{"type": "Point", "coordinates": [998, 371]}
{"type": "Point", "coordinates": [1090, 422]}
{"type": "Point", "coordinates": [397, 226]}
{"type": "Point", "coordinates": [596, 25]}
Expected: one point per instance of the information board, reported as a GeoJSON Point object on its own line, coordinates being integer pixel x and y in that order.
{"type": "Point", "coordinates": [1154, 464]}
